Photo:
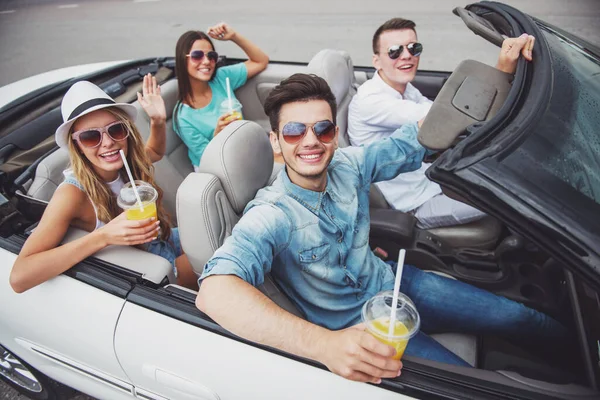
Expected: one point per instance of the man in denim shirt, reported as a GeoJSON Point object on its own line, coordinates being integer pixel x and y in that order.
{"type": "Point", "coordinates": [310, 230]}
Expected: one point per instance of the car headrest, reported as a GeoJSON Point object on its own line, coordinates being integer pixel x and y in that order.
{"type": "Point", "coordinates": [335, 66]}
{"type": "Point", "coordinates": [472, 94]}
{"type": "Point", "coordinates": [241, 157]}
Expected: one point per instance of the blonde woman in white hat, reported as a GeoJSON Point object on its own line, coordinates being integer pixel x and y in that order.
{"type": "Point", "coordinates": [95, 128]}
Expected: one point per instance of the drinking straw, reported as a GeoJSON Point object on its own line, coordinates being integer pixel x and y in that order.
{"type": "Point", "coordinates": [396, 291]}
{"type": "Point", "coordinates": [229, 95]}
{"type": "Point", "coordinates": [137, 195]}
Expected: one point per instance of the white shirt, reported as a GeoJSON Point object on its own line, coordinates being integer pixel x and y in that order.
{"type": "Point", "coordinates": [376, 111]}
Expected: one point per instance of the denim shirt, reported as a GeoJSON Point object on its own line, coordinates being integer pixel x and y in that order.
{"type": "Point", "coordinates": [316, 244]}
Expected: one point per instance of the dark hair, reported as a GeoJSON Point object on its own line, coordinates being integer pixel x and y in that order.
{"type": "Point", "coordinates": [394, 24]}
{"type": "Point", "coordinates": [182, 49]}
{"type": "Point", "coordinates": [298, 87]}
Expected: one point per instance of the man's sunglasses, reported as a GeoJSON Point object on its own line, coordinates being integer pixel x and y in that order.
{"type": "Point", "coordinates": [198, 55]}
{"type": "Point", "coordinates": [293, 132]}
{"type": "Point", "coordinates": [414, 49]}
{"type": "Point", "coordinates": [93, 137]}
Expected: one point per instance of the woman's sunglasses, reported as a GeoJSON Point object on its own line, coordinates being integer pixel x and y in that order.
{"type": "Point", "coordinates": [93, 137]}
{"type": "Point", "coordinates": [293, 132]}
{"type": "Point", "coordinates": [414, 49]}
{"type": "Point", "coordinates": [198, 55]}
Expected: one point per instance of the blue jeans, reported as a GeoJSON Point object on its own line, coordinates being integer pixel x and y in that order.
{"type": "Point", "coordinates": [447, 305]}
{"type": "Point", "coordinates": [169, 249]}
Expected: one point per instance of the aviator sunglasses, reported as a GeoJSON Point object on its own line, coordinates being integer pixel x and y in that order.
{"type": "Point", "coordinates": [198, 55]}
{"type": "Point", "coordinates": [93, 137]}
{"type": "Point", "coordinates": [293, 132]}
{"type": "Point", "coordinates": [414, 49]}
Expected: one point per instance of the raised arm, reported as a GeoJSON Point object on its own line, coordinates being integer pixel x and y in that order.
{"type": "Point", "coordinates": [227, 294]}
{"type": "Point", "coordinates": [154, 105]}
{"type": "Point", "coordinates": [258, 60]}
{"type": "Point", "coordinates": [42, 257]}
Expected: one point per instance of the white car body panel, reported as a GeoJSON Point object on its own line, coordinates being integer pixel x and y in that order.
{"type": "Point", "coordinates": [84, 315]}
{"type": "Point", "coordinates": [13, 91]}
{"type": "Point", "coordinates": [147, 353]}
{"type": "Point", "coordinates": [180, 361]}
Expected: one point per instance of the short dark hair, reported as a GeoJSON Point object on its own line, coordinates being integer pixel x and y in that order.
{"type": "Point", "coordinates": [394, 24]}
{"type": "Point", "coordinates": [298, 87]}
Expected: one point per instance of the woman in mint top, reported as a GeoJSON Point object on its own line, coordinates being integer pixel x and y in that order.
{"type": "Point", "coordinates": [202, 86]}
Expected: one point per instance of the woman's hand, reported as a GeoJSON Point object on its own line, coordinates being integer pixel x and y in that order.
{"type": "Point", "coordinates": [151, 100]}
{"type": "Point", "coordinates": [221, 31]}
{"type": "Point", "coordinates": [121, 231]}
{"type": "Point", "coordinates": [222, 122]}
{"type": "Point", "coordinates": [511, 49]}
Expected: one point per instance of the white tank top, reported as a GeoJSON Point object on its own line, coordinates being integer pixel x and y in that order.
{"type": "Point", "coordinates": [115, 186]}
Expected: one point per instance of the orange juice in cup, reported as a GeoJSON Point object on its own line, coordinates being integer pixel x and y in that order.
{"type": "Point", "coordinates": [235, 111]}
{"type": "Point", "coordinates": [376, 314]}
{"type": "Point", "coordinates": [128, 201]}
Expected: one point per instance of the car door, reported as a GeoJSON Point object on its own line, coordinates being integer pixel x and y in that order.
{"type": "Point", "coordinates": [64, 327]}
{"type": "Point", "coordinates": [171, 350]}
{"type": "Point", "coordinates": [536, 167]}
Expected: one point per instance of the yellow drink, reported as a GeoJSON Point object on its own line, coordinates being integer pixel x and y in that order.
{"type": "Point", "coordinates": [380, 329]}
{"type": "Point", "coordinates": [234, 116]}
{"type": "Point", "coordinates": [136, 213]}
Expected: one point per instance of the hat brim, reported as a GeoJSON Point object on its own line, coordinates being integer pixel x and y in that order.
{"type": "Point", "coordinates": [62, 131]}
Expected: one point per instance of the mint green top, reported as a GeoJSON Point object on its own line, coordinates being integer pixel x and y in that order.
{"type": "Point", "coordinates": [196, 126]}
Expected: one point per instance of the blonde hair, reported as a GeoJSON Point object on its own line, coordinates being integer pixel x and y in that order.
{"type": "Point", "coordinates": [141, 168]}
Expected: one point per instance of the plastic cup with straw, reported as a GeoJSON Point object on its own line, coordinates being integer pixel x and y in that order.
{"type": "Point", "coordinates": [393, 324]}
{"type": "Point", "coordinates": [144, 204]}
{"type": "Point", "coordinates": [231, 105]}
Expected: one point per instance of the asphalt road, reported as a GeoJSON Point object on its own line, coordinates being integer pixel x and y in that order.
{"type": "Point", "coordinates": [41, 35]}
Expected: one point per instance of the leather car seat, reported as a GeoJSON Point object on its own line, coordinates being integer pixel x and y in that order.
{"type": "Point", "coordinates": [235, 165]}
{"type": "Point", "coordinates": [335, 66]}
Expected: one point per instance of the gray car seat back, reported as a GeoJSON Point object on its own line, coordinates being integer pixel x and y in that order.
{"type": "Point", "coordinates": [335, 66]}
{"type": "Point", "coordinates": [473, 93]}
{"type": "Point", "coordinates": [235, 165]}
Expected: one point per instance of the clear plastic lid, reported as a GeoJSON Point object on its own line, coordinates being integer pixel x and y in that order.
{"type": "Point", "coordinates": [379, 308]}
{"type": "Point", "coordinates": [127, 198]}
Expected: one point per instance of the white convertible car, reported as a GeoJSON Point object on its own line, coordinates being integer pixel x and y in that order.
{"type": "Point", "coordinates": [115, 326]}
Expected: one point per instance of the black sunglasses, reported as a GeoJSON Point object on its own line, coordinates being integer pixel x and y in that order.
{"type": "Point", "coordinates": [198, 55]}
{"type": "Point", "coordinates": [293, 132]}
{"type": "Point", "coordinates": [414, 49]}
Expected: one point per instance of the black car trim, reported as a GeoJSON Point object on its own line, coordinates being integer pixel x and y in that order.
{"type": "Point", "coordinates": [417, 380]}
{"type": "Point", "coordinates": [476, 145]}
{"type": "Point", "coordinates": [583, 336]}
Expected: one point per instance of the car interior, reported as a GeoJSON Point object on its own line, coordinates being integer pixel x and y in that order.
{"type": "Point", "coordinates": [206, 206]}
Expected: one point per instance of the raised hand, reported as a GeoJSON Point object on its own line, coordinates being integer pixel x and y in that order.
{"type": "Point", "coordinates": [355, 354]}
{"type": "Point", "coordinates": [511, 49]}
{"type": "Point", "coordinates": [221, 31]}
{"type": "Point", "coordinates": [151, 100]}
{"type": "Point", "coordinates": [121, 231]}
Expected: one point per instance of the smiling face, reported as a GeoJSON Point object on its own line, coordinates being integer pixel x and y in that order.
{"type": "Point", "coordinates": [105, 158]}
{"type": "Point", "coordinates": [307, 160]}
{"type": "Point", "coordinates": [202, 70]}
{"type": "Point", "coordinates": [399, 72]}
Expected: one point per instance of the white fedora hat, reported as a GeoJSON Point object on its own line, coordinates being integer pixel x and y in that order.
{"type": "Point", "coordinates": [82, 98]}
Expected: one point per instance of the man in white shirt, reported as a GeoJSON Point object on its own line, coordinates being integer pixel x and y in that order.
{"type": "Point", "coordinates": [388, 100]}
